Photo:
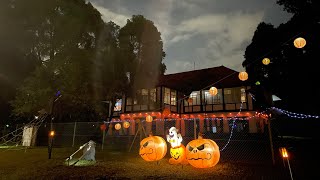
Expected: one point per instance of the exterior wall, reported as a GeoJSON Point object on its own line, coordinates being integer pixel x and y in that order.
{"type": "Point", "coordinates": [219, 110]}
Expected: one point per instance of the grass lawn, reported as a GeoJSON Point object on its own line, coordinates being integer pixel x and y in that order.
{"type": "Point", "coordinates": [33, 163]}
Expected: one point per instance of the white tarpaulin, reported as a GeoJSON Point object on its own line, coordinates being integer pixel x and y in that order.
{"type": "Point", "coordinates": [29, 136]}
{"type": "Point", "coordinates": [275, 98]}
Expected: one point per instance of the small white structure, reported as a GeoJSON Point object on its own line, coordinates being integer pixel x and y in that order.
{"type": "Point", "coordinates": [29, 135]}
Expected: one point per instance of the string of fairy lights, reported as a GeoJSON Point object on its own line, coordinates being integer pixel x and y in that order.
{"type": "Point", "coordinates": [295, 115]}
{"type": "Point", "coordinates": [231, 132]}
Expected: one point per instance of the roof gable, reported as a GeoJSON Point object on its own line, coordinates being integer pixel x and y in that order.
{"type": "Point", "coordinates": [220, 77]}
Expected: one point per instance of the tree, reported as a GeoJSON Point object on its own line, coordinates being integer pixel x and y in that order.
{"type": "Point", "coordinates": [78, 52]}
{"type": "Point", "coordinates": [292, 71]}
{"type": "Point", "coordinates": [142, 52]}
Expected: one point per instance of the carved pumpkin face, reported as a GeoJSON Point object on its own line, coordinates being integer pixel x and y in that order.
{"type": "Point", "coordinates": [202, 153]}
{"type": "Point", "coordinates": [153, 148]}
{"type": "Point", "coordinates": [178, 154]}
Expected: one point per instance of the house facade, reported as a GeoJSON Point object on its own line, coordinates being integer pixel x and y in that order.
{"type": "Point", "coordinates": [183, 100]}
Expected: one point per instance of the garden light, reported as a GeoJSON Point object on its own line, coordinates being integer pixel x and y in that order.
{"type": "Point", "coordinates": [52, 133]}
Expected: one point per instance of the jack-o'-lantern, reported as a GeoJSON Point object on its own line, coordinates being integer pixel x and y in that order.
{"type": "Point", "coordinates": [153, 148]}
{"type": "Point", "coordinates": [178, 155]}
{"type": "Point", "coordinates": [202, 153]}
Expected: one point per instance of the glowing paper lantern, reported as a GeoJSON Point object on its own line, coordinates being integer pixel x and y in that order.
{"type": "Point", "coordinates": [265, 61]}
{"type": "Point", "coordinates": [126, 124]}
{"type": "Point", "coordinates": [213, 91]}
{"type": "Point", "coordinates": [153, 148]}
{"type": "Point", "coordinates": [117, 126]}
{"type": "Point", "coordinates": [243, 76]}
{"type": "Point", "coordinates": [166, 112]}
{"type": "Point", "coordinates": [299, 42]}
{"type": "Point", "coordinates": [103, 127]}
{"type": "Point", "coordinates": [149, 118]}
{"type": "Point", "coordinates": [202, 153]}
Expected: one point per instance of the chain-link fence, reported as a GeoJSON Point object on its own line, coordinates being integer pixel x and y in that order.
{"type": "Point", "coordinates": [235, 137]}
{"type": "Point", "coordinates": [239, 139]}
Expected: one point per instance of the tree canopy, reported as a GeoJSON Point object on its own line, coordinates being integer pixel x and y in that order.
{"type": "Point", "coordinates": [142, 52]}
{"type": "Point", "coordinates": [292, 73]}
{"type": "Point", "coordinates": [65, 47]}
{"type": "Point", "coordinates": [77, 51]}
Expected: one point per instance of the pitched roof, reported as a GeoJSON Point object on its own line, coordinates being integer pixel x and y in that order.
{"type": "Point", "coordinates": [220, 77]}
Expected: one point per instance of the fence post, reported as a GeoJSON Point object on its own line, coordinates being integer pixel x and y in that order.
{"type": "Point", "coordinates": [103, 136]}
{"type": "Point", "coordinates": [270, 139]}
{"type": "Point", "coordinates": [74, 133]}
{"type": "Point", "coordinates": [195, 128]}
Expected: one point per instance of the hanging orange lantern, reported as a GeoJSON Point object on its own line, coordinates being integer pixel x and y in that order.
{"type": "Point", "coordinates": [166, 112]}
{"type": "Point", "coordinates": [153, 148]}
{"type": "Point", "coordinates": [243, 76]}
{"type": "Point", "coordinates": [190, 100]}
{"type": "Point", "coordinates": [149, 118]}
{"type": "Point", "coordinates": [299, 42]}
{"type": "Point", "coordinates": [213, 91]}
{"type": "Point", "coordinates": [265, 61]}
{"type": "Point", "coordinates": [103, 127]}
{"type": "Point", "coordinates": [126, 124]}
{"type": "Point", "coordinates": [202, 153]}
{"type": "Point", "coordinates": [117, 126]}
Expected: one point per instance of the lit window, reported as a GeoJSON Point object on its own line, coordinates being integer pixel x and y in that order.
{"type": "Point", "coordinates": [173, 97]}
{"type": "Point", "coordinates": [243, 95]}
{"type": "Point", "coordinates": [153, 95]}
{"type": "Point", "coordinates": [129, 101]}
{"type": "Point", "coordinates": [195, 96]}
{"type": "Point", "coordinates": [166, 95]}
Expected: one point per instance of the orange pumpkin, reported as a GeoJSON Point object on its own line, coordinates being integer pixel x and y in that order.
{"type": "Point", "coordinates": [153, 148]}
{"type": "Point", "coordinates": [202, 153]}
{"type": "Point", "coordinates": [178, 155]}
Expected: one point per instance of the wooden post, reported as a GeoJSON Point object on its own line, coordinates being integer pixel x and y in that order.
{"type": "Point", "coordinates": [195, 128]}
{"type": "Point", "coordinates": [103, 136]}
{"type": "Point", "coordinates": [74, 133]}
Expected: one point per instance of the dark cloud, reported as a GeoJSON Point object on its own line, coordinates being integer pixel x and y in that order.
{"type": "Point", "coordinates": [199, 33]}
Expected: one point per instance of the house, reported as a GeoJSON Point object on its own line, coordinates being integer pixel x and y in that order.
{"type": "Point", "coordinates": [183, 100]}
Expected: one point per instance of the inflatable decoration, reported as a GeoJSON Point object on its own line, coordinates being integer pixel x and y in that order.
{"type": "Point", "coordinates": [202, 153]}
{"type": "Point", "coordinates": [153, 148]}
{"type": "Point", "coordinates": [177, 150]}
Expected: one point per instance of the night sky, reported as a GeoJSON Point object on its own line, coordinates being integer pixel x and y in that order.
{"type": "Point", "coordinates": [199, 34]}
